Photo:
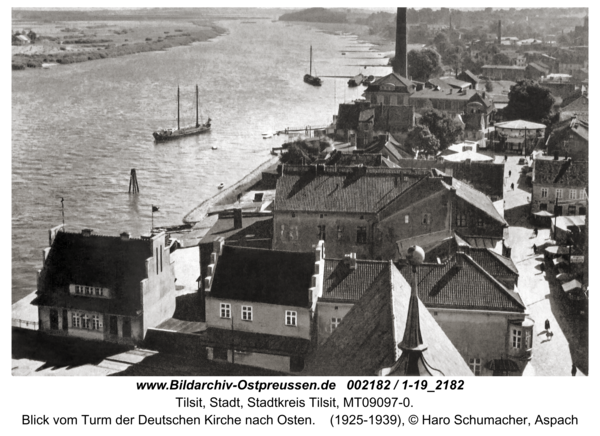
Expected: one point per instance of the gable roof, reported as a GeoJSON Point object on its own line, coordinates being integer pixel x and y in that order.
{"type": "Point", "coordinates": [477, 199]}
{"type": "Point", "coordinates": [260, 227]}
{"type": "Point", "coordinates": [562, 172]}
{"type": "Point", "coordinates": [401, 84]}
{"type": "Point", "coordinates": [579, 105]}
{"type": "Point", "coordinates": [494, 263]}
{"type": "Point", "coordinates": [347, 117]}
{"type": "Point", "coordinates": [486, 177]}
{"type": "Point", "coordinates": [367, 339]}
{"type": "Point", "coordinates": [95, 260]}
{"type": "Point", "coordinates": [341, 189]}
{"type": "Point", "coordinates": [341, 283]}
{"type": "Point", "coordinates": [469, 75]}
{"type": "Point", "coordinates": [263, 276]}
{"type": "Point", "coordinates": [461, 283]}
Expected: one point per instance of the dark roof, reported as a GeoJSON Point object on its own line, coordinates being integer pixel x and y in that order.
{"type": "Point", "coordinates": [341, 189]}
{"type": "Point", "coordinates": [466, 75]}
{"type": "Point", "coordinates": [382, 146]}
{"type": "Point", "coordinates": [563, 130]}
{"type": "Point", "coordinates": [255, 342]}
{"type": "Point", "coordinates": [258, 227]}
{"type": "Point", "coordinates": [102, 261]}
{"type": "Point", "coordinates": [469, 286]}
{"type": "Point", "coordinates": [444, 94]}
{"type": "Point", "coordinates": [562, 172]}
{"type": "Point", "coordinates": [340, 283]}
{"type": "Point", "coordinates": [367, 159]}
{"type": "Point", "coordinates": [366, 340]}
{"type": "Point", "coordinates": [392, 118]}
{"type": "Point", "coordinates": [577, 106]}
{"type": "Point", "coordinates": [477, 199]}
{"type": "Point", "coordinates": [455, 83]}
{"type": "Point", "coordinates": [486, 177]}
{"type": "Point", "coordinates": [504, 67]}
{"type": "Point", "coordinates": [494, 263]}
{"type": "Point", "coordinates": [263, 276]}
{"type": "Point", "coordinates": [347, 117]}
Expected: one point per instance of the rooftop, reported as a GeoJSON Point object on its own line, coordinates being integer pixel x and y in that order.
{"type": "Point", "coordinates": [367, 339]}
{"type": "Point", "coordinates": [343, 283]}
{"type": "Point", "coordinates": [257, 275]}
{"type": "Point", "coordinates": [564, 172]}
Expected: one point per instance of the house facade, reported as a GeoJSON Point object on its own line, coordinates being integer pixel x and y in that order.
{"type": "Point", "coordinates": [504, 72]}
{"type": "Point", "coordinates": [260, 305]}
{"type": "Point", "coordinates": [560, 187]}
{"type": "Point", "coordinates": [105, 288]}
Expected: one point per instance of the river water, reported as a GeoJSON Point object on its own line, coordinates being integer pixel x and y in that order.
{"type": "Point", "coordinates": [78, 130]}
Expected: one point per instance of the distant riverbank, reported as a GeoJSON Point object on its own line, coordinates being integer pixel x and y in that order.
{"type": "Point", "coordinates": [81, 50]}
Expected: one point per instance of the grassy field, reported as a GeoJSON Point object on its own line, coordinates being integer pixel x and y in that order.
{"type": "Point", "coordinates": [81, 37]}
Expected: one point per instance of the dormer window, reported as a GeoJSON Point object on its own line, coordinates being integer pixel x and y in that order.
{"type": "Point", "coordinates": [89, 291]}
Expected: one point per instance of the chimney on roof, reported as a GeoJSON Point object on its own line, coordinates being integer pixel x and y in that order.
{"type": "Point", "coordinates": [125, 236]}
{"type": "Point", "coordinates": [350, 261]}
{"type": "Point", "coordinates": [400, 61]}
{"type": "Point", "coordinates": [237, 218]}
{"type": "Point", "coordinates": [86, 232]}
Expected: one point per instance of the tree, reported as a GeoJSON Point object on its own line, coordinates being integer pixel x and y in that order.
{"type": "Point", "coordinates": [441, 43]}
{"type": "Point", "coordinates": [529, 101]}
{"type": "Point", "coordinates": [500, 59]}
{"type": "Point", "coordinates": [444, 128]}
{"type": "Point", "coordinates": [420, 139]}
{"type": "Point", "coordinates": [423, 64]}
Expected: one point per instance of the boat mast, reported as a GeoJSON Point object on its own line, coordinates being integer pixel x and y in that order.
{"type": "Point", "coordinates": [310, 70]}
{"type": "Point", "coordinates": [197, 106]}
{"type": "Point", "coordinates": [177, 107]}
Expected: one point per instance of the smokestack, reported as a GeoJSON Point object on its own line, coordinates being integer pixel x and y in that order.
{"type": "Point", "coordinates": [400, 62]}
{"type": "Point", "coordinates": [499, 31]}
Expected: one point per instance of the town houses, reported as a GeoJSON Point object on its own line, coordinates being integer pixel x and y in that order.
{"type": "Point", "coordinates": [367, 252]}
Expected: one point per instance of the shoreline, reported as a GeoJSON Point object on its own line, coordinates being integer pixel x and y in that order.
{"type": "Point", "coordinates": [21, 61]}
{"type": "Point", "coordinates": [198, 213]}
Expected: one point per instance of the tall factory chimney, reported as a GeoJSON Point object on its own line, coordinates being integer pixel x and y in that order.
{"type": "Point", "coordinates": [450, 17]}
{"type": "Point", "coordinates": [499, 31]}
{"type": "Point", "coordinates": [400, 62]}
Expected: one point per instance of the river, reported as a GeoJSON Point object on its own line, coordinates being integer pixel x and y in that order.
{"type": "Point", "coordinates": [78, 130]}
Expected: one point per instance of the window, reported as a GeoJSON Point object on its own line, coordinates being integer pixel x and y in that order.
{"type": "Point", "coordinates": [559, 193]}
{"type": "Point", "coordinates": [293, 215]}
{"type": "Point", "coordinates": [582, 211]}
{"type": "Point", "coordinates": [572, 194]}
{"type": "Point", "coordinates": [405, 178]}
{"type": "Point", "coordinates": [393, 100]}
{"type": "Point", "coordinates": [373, 99]}
{"type": "Point", "coordinates": [76, 320]}
{"type": "Point", "coordinates": [527, 339]}
{"type": "Point", "coordinates": [406, 219]}
{"type": "Point", "coordinates": [479, 222]}
{"type": "Point", "coordinates": [156, 260]}
{"type": "Point", "coordinates": [88, 290]}
{"type": "Point", "coordinates": [225, 310]}
{"type": "Point", "coordinates": [340, 232]}
{"type": "Point", "coordinates": [544, 192]}
{"type": "Point", "coordinates": [426, 219]}
{"type": "Point", "coordinates": [77, 289]}
{"type": "Point", "coordinates": [572, 210]}
{"type": "Point", "coordinates": [461, 220]}
{"type": "Point", "coordinates": [361, 235]}
{"type": "Point", "coordinates": [543, 206]}
{"type": "Point", "coordinates": [126, 327]}
{"type": "Point", "coordinates": [247, 313]}
{"type": "Point", "coordinates": [113, 328]}
{"type": "Point", "coordinates": [322, 232]}
{"type": "Point", "coordinates": [99, 291]}
{"type": "Point", "coordinates": [386, 100]}
{"type": "Point", "coordinates": [475, 365]}
{"type": "Point", "coordinates": [335, 322]}
{"type": "Point", "coordinates": [85, 321]}
{"type": "Point", "coordinates": [516, 338]}
{"type": "Point", "coordinates": [96, 322]}
{"type": "Point", "coordinates": [582, 194]}
{"type": "Point", "coordinates": [291, 317]}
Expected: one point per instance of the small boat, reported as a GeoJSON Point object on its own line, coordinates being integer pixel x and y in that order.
{"type": "Point", "coordinates": [343, 54]}
{"type": "Point", "coordinates": [170, 134]}
{"type": "Point", "coordinates": [221, 186]}
{"type": "Point", "coordinates": [356, 80]}
{"type": "Point", "coordinates": [309, 78]}
{"type": "Point", "coordinates": [214, 147]}
{"type": "Point", "coordinates": [267, 135]}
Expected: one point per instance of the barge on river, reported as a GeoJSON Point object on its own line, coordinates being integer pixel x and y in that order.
{"type": "Point", "coordinates": [170, 134]}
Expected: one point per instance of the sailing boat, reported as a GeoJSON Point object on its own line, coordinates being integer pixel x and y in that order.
{"type": "Point", "coordinates": [169, 134]}
{"type": "Point", "coordinates": [309, 78]}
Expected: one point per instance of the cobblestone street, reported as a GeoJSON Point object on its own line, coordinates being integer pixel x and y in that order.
{"type": "Point", "coordinates": [542, 294]}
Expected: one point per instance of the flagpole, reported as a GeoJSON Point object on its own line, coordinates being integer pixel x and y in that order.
{"type": "Point", "coordinates": [152, 228]}
{"type": "Point", "coordinates": [62, 204]}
